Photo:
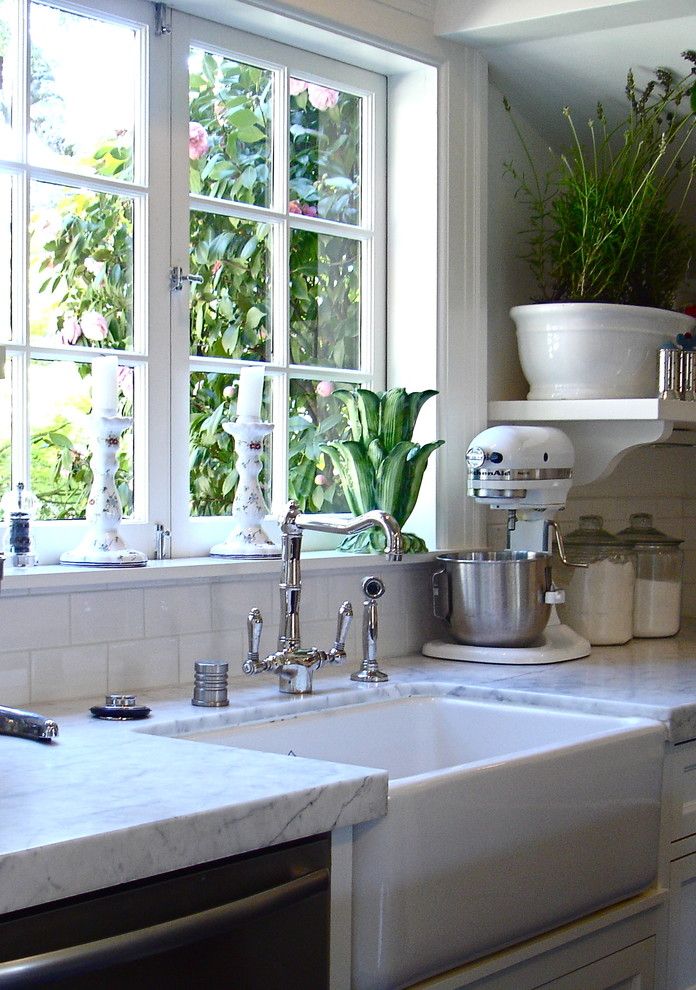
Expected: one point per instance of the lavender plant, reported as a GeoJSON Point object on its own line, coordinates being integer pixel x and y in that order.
{"type": "Point", "coordinates": [605, 222]}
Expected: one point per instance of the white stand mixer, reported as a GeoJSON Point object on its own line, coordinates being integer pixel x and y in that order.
{"type": "Point", "coordinates": [528, 471]}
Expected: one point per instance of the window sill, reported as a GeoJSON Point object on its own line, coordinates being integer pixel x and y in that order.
{"type": "Point", "coordinates": [65, 577]}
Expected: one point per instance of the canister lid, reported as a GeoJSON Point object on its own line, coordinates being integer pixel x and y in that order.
{"type": "Point", "coordinates": [641, 531]}
{"type": "Point", "coordinates": [591, 533]}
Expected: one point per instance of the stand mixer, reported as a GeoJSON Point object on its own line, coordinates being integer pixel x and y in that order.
{"type": "Point", "coordinates": [526, 470]}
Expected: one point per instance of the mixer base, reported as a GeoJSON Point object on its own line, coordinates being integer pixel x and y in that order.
{"type": "Point", "coordinates": [558, 643]}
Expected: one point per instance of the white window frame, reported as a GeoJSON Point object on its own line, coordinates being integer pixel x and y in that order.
{"type": "Point", "coordinates": [195, 535]}
{"type": "Point", "coordinates": [150, 208]}
{"type": "Point", "coordinates": [447, 347]}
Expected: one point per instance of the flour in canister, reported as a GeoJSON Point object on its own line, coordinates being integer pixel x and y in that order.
{"type": "Point", "coordinates": [656, 607]}
{"type": "Point", "coordinates": [599, 601]}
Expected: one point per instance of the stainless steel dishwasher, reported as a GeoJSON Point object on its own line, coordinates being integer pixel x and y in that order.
{"type": "Point", "coordinates": [255, 921]}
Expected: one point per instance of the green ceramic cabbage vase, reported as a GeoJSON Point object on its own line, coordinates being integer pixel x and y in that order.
{"type": "Point", "coordinates": [380, 466]}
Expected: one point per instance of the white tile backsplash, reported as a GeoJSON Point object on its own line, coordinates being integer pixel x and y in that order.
{"type": "Point", "coordinates": [172, 610]}
{"type": "Point", "coordinates": [66, 672]}
{"type": "Point", "coordinates": [104, 616]}
{"type": "Point", "coordinates": [83, 644]}
{"type": "Point", "coordinates": [143, 663]}
{"type": "Point", "coordinates": [31, 622]}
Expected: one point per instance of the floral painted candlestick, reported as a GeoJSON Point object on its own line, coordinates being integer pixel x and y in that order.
{"type": "Point", "coordinates": [247, 537]}
{"type": "Point", "coordinates": [103, 545]}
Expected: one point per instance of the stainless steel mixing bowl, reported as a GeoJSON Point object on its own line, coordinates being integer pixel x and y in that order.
{"type": "Point", "coordinates": [493, 597]}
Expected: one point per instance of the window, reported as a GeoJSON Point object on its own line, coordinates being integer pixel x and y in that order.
{"type": "Point", "coordinates": [254, 168]}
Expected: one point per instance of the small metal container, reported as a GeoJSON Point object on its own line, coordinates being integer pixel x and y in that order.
{"type": "Point", "coordinates": [493, 597]}
{"type": "Point", "coordinates": [210, 684]}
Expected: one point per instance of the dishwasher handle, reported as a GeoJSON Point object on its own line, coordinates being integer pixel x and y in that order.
{"type": "Point", "coordinates": [133, 945]}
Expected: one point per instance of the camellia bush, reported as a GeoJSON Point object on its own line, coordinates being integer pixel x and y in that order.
{"type": "Point", "coordinates": [86, 271]}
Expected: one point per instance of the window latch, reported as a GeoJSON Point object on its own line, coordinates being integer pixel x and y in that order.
{"type": "Point", "coordinates": [177, 279]}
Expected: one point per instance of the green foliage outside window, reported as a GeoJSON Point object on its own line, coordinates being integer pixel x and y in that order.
{"type": "Point", "coordinates": [87, 272]}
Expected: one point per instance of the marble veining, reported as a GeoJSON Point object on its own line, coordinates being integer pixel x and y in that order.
{"type": "Point", "coordinates": [112, 802]}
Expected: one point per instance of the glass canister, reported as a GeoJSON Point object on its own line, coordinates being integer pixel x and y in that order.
{"type": "Point", "coordinates": [657, 595]}
{"type": "Point", "coordinates": [599, 597]}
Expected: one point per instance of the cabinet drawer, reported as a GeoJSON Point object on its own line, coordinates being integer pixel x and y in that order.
{"type": "Point", "coordinates": [684, 790]}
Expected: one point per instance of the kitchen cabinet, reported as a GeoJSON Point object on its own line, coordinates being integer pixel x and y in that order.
{"type": "Point", "coordinates": [681, 943]}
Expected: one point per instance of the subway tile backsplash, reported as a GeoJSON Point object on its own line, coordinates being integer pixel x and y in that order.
{"type": "Point", "coordinates": [83, 644]}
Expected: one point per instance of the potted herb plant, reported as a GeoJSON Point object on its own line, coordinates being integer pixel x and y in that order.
{"type": "Point", "coordinates": [608, 244]}
{"type": "Point", "coordinates": [380, 466]}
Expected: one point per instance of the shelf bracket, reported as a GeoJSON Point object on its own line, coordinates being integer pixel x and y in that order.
{"type": "Point", "coordinates": [601, 444]}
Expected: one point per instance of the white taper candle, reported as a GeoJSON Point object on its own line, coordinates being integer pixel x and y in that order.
{"type": "Point", "coordinates": [104, 385]}
{"type": "Point", "coordinates": [250, 393]}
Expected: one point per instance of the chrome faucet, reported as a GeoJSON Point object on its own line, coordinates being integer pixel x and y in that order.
{"type": "Point", "coordinates": [28, 725]}
{"type": "Point", "coordinates": [294, 665]}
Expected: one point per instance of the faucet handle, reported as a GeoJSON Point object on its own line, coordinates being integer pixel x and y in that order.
{"type": "Point", "coordinates": [337, 653]}
{"type": "Point", "coordinates": [252, 664]}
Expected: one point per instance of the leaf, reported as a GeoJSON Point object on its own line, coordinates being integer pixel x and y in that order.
{"type": "Point", "coordinates": [394, 417]}
{"type": "Point", "coordinates": [230, 338]}
{"type": "Point", "coordinates": [418, 461]}
{"type": "Point", "coordinates": [356, 473]}
{"type": "Point", "coordinates": [392, 478]}
{"type": "Point", "coordinates": [253, 317]}
{"type": "Point", "coordinates": [369, 412]}
{"type": "Point", "coordinates": [249, 135]}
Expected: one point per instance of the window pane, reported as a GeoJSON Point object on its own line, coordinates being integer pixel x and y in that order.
{"type": "Point", "coordinates": [213, 477]}
{"type": "Point", "coordinates": [5, 257]}
{"type": "Point", "coordinates": [230, 128]}
{"type": "Point", "coordinates": [9, 50]}
{"type": "Point", "coordinates": [84, 88]}
{"type": "Point", "coordinates": [316, 417]}
{"type": "Point", "coordinates": [324, 300]}
{"type": "Point", "coordinates": [324, 152]}
{"type": "Point", "coordinates": [230, 310]}
{"type": "Point", "coordinates": [81, 267]}
{"type": "Point", "coordinates": [61, 477]}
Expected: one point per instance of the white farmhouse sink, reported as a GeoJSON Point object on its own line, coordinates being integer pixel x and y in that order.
{"type": "Point", "coordinates": [503, 821]}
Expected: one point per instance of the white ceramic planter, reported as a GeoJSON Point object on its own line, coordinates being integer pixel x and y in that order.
{"type": "Point", "coordinates": [593, 350]}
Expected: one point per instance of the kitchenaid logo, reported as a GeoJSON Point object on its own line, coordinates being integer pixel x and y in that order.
{"type": "Point", "coordinates": [486, 473]}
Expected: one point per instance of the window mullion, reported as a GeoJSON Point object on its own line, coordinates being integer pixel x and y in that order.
{"type": "Point", "coordinates": [21, 440]}
{"type": "Point", "coordinates": [280, 292]}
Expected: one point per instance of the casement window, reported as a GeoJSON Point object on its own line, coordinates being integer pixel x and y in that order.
{"type": "Point", "coordinates": [191, 199]}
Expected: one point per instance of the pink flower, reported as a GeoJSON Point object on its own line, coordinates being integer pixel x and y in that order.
{"type": "Point", "coordinates": [297, 86]}
{"type": "Point", "coordinates": [198, 140]}
{"type": "Point", "coordinates": [325, 389]}
{"type": "Point", "coordinates": [310, 211]}
{"type": "Point", "coordinates": [322, 97]}
{"type": "Point", "coordinates": [94, 326]}
{"type": "Point", "coordinates": [71, 330]}
{"type": "Point", "coordinates": [215, 267]}
{"type": "Point", "coordinates": [294, 206]}
{"type": "Point", "coordinates": [124, 377]}
{"type": "Point", "coordinates": [229, 391]}
{"type": "Point", "coordinates": [320, 480]}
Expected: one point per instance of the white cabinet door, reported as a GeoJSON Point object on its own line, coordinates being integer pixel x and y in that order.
{"type": "Point", "coordinates": [682, 924]}
{"type": "Point", "coordinates": [632, 968]}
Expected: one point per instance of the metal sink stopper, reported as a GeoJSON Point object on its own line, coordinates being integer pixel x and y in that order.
{"type": "Point", "coordinates": [369, 673]}
{"type": "Point", "coordinates": [120, 708]}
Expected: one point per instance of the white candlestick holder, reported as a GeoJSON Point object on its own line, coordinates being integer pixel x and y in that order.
{"type": "Point", "coordinates": [247, 538]}
{"type": "Point", "coordinates": [103, 545]}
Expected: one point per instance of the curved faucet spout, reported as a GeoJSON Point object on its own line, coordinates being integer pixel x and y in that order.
{"type": "Point", "coordinates": [293, 522]}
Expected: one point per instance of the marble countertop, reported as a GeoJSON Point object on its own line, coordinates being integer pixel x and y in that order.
{"type": "Point", "coordinates": [110, 802]}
